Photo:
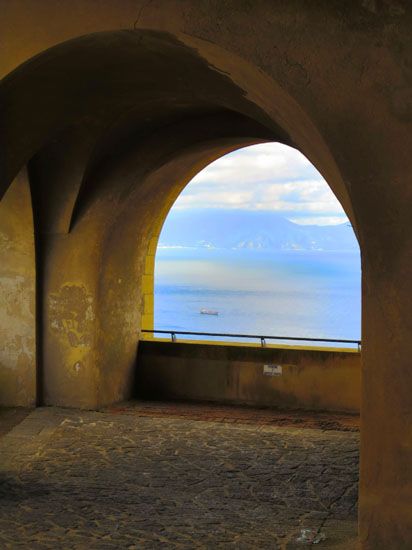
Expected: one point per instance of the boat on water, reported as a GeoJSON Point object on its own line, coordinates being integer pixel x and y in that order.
{"type": "Point", "coordinates": [209, 312]}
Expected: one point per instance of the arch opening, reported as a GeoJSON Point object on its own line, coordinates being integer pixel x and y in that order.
{"type": "Point", "coordinates": [258, 244]}
{"type": "Point", "coordinates": [313, 293]}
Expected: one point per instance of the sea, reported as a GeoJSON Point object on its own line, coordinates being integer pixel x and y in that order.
{"type": "Point", "coordinates": [305, 294]}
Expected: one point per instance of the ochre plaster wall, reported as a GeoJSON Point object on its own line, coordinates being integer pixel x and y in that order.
{"type": "Point", "coordinates": [91, 296]}
{"type": "Point", "coordinates": [17, 297]}
{"type": "Point", "coordinates": [311, 379]}
{"type": "Point", "coordinates": [331, 78]}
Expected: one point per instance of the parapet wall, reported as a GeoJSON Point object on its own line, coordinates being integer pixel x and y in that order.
{"type": "Point", "coordinates": [316, 379]}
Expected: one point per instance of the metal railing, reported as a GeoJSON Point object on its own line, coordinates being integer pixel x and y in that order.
{"type": "Point", "coordinates": [260, 337]}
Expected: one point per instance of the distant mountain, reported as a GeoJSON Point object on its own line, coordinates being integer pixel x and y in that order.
{"type": "Point", "coordinates": [237, 229]}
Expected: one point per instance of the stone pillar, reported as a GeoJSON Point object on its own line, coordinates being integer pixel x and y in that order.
{"type": "Point", "coordinates": [385, 508]}
{"type": "Point", "coordinates": [69, 318]}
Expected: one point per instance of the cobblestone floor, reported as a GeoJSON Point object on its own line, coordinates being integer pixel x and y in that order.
{"type": "Point", "coordinates": [128, 478]}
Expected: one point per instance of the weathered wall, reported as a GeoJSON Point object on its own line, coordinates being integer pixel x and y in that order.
{"type": "Point", "coordinates": [311, 379]}
{"type": "Point", "coordinates": [332, 78]}
{"type": "Point", "coordinates": [92, 301]}
{"type": "Point", "coordinates": [17, 297]}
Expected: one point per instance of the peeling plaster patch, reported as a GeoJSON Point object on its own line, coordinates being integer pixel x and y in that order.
{"type": "Point", "coordinates": [72, 315]}
{"type": "Point", "coordinates": [17, 343]}
{"type": "Point", "coordinates": [5, 243]}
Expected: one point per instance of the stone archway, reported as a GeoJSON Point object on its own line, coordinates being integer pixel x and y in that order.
{"type": "Point", "coordinates": [332, 81]}
{"type": "Point", "coordinates": [107, 156]}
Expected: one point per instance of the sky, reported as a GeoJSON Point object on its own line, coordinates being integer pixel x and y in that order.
{"type": "Point", "coordinates": [268, 176]}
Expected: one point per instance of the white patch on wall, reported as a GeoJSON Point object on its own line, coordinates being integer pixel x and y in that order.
{"type": "Point", "coordinates": [272, 370]}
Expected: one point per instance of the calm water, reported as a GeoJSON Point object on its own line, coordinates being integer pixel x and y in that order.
{"type": "Point", "coordinates": [315, 294]}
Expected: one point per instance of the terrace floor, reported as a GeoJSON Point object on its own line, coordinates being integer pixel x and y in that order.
{"type": "Point", "coordinates": [164, 475]}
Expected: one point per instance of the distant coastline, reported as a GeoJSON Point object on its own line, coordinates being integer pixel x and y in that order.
{"type": "Point", "coordinates": [251, 230]}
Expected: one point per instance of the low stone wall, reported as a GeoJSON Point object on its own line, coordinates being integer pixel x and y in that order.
{"type": "Point", "coordinates": [284, 377]}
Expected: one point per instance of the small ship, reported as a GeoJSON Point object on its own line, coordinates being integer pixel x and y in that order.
{"type": "Point", "coordinates": [209, 312]}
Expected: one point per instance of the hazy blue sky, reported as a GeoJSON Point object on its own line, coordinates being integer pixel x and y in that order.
{"type": "Point", "coordinates": [269, 176]}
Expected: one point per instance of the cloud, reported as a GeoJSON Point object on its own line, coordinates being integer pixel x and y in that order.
{"type": "Point", "coordinates": [319, 220]}
{"type": "Point", "coordinates": [269, 176]}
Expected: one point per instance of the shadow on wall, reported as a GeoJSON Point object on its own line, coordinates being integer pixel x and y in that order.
{"type": "Point", "coordinates": [271, 377]}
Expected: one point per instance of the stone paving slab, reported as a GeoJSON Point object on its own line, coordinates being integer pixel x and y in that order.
{"type": "Point", "coordinates": [11, 416]}
{"type": "Point", "coordinates": [96, 480]}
